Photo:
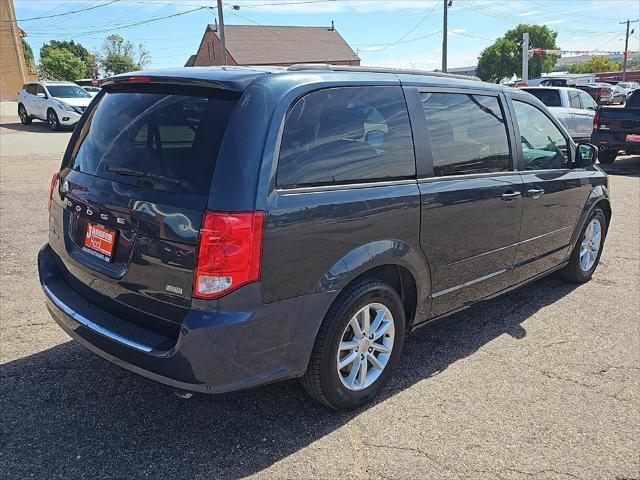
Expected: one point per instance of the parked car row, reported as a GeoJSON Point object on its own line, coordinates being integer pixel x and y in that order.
{"type": "Point", "coordinates": [60, 104]}
{"type": "Point", "coordinates": [611, 129]}
{"type": "Point", "coordinates": [603, 93]}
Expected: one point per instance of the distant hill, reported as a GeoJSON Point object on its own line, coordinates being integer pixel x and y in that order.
{"type": "Point", "coordinates": [563, 62]}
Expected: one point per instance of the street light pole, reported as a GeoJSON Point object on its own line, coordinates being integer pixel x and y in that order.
{"type": "Point", "coordinates": [224, 46]}
{"type": "Point", "coordinates": [444, 37]}
{"type": "Point", "coordinates": [626, 49]}
{"type": "Point", "coordinates": [525, 57]}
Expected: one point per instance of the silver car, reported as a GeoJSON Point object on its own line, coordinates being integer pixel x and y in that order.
{"type": "Point", "coordinates": [574, 108]}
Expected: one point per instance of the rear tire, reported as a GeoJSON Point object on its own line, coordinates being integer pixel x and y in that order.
{"type": "Point", "coordinates": [607, 157]}
{"type": "Point", "coordinates": [340, 339]}
{"type": "Point", "coordinates": [52, 120]}
{"type": "Point", "coordinates": [24, 116]}
{"type": "Point", "coordinates": [586, 254]}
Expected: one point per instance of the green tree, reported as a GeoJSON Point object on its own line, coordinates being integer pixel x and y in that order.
{"type": "Point", "coordinates": [633, 64]}
{"type": "Point", "coordinates": [63, 64]}
{"type": "Point", "coordinates": [120, 55]}
{"type": "Point", "coordinates": [503, 58]}
{"type": "Point", "coordinates": [28, 53]}
{"type": "Point", "coordinates": [596, 64]}
{"type": "Point", "coordinates": [77, 50]}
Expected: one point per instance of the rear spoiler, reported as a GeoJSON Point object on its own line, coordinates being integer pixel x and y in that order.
{"type": "Point", "coordinates": [163, 80]}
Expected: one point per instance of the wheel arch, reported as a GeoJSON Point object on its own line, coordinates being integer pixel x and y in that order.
{"type": "Point", "coordinates": [392, 261]}
{"type": "Point", "coordinates": [599, 198]}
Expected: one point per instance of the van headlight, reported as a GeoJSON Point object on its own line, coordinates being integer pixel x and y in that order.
{"type": "Point", "coordinates": [65, 107]}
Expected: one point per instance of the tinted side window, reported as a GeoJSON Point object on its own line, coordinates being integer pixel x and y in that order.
{"type": "Point", "coordinates": [587, 101]}
{"type": "Point", "coordinates": [574, 99]}
{"type": "Point", "coordinates": [30, 88]}
{"type": "Point", "coordinates": [346, 135]}
{"type": "Point", "coordinates": [543, 145]}
{"type": "Point", "coordinates": [467, 132]}
{"type": "Point", "coordinates": [39, 89]}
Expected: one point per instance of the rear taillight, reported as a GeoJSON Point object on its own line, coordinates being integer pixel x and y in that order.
{"type": "Point", "coordinates": [596, 120]}
{"type": "Point", "coordinates": [54, 180]}
{"type": "Point", "coordinates": [229, 249]}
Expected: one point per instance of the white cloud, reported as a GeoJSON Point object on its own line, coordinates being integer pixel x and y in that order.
{"type": "Point", "coordinates": [552, 22]}
{"type": "Point", "coordinates": [526, 14]}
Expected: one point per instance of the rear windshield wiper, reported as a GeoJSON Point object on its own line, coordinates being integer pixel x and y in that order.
{"type": "Point", "coordinates": [138, 173]}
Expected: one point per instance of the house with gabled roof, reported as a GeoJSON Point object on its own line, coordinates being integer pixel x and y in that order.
{"type": "Point", "coordinates": [273, 45]}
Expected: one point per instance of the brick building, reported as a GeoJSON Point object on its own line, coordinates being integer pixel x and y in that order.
{"type": "Point", "coordinates": [14, 71]}
{"type": "Point", "coordinates": [270, 45]}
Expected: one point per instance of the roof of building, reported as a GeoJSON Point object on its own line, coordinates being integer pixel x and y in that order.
{"type": "Point", "coordinates": [269, 45]}
{"type": "Point", "coordinates": [191, 61]}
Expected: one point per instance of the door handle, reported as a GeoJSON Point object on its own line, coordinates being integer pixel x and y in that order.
{"type": "Point", "coordinates": [510, 195]}
{"type": "Point", "coordinates": [535, 192]}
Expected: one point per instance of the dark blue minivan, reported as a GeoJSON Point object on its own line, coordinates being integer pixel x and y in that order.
{"type": "Point", "coordinates": [216, 229]}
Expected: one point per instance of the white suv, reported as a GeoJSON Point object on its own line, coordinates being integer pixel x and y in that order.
{"type": "Point", "coordinates": [57, 103]}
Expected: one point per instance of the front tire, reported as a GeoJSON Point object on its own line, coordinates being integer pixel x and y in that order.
{"type": "Point", "coordinates": [24, 116]}
{"type": "Point", "coordinates": [586, 254]}
{"type": "Point", "coordinates": [357, 347]}
{"type": "Point", "coordinates": [607, 157]}
{"type": "Point", "coordinates": [52, 120]}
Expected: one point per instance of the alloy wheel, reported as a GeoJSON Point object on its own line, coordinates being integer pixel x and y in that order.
{"type": "Point", "coordinates": [590, 245]}
{"type": "Point", "coordinates": [365, 346]}
{"type": "Point", "coordinates": [53, 120]}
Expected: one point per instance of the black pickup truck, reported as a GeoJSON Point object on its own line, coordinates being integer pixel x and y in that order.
{"type": "Point", "coordinates": [616, 129]}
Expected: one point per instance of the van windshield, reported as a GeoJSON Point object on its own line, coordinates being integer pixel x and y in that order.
{"type": "Point", "coordinates": [156, 137]}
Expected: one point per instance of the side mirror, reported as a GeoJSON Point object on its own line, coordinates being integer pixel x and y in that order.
{"type": "Point", "coordinates": [586, 155]}
{"type": "Point", "coordinates": [41, 95]}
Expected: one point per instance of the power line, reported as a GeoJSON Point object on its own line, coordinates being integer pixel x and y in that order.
{"type": "Point", "coordinates": [64, 13]}
{"type": "Point", "coordinates": [422, 20]}
{"type": "Point", "coordinates": [130, 25]}
{"type": "Point", "coordinates": [302, 2]}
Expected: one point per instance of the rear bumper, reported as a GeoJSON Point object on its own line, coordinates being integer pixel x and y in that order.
{"type": "Point", "coordinates": [233, 343]}
{"type": "Point", "coordinates": [614, 141]}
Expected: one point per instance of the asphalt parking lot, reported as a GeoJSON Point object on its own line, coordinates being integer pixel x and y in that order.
{"type": "Point", "coordinates": [542, 383]}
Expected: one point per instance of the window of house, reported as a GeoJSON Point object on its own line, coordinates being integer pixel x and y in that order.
{"type": "Point", "coordinates": [211, 50]}
{"type": "Point", "coordinates": [543, 145]}
{"type": "Point", "coordinates": [467, 132]}
{"type": "Point", "coordinates": [346, 135]}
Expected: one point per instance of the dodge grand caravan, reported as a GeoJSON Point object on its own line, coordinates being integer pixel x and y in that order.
{"type": "Point", "coordinates": [216, 229]}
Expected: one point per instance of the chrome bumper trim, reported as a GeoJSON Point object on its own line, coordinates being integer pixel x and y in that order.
{"type": "Point", "coordinates": [94, 326]}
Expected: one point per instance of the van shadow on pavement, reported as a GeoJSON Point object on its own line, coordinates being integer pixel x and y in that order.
{"type": "Point", "coordinates": [69, 414]}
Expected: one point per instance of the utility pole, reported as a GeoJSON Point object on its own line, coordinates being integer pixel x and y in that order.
{"type": "Point", "coordinates": [447, 3]}
{"type": "Point", "coordinates": [525, 57]}
{"type": "Point", "coordinates": [224, 46]}
{"type": "Point", "coordinates": [626, 48]}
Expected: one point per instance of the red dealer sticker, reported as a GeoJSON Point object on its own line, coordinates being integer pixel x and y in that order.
{"type": "Point", "coordinates": [100, 239]}
{"type": "Point", "coordinates": [633, 138]}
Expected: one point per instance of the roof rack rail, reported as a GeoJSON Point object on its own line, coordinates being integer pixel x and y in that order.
{"type": "Point", "coordinates": [303, 67]}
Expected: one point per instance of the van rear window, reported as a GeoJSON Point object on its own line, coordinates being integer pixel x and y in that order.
{"type": "Point", "coordinates": [550, 97]}
{"type": "Point", "coordinates": [155, 137]}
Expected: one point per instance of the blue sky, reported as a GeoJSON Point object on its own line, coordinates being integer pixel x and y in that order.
{"type": "Point", "coordinates": [394, 33]}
